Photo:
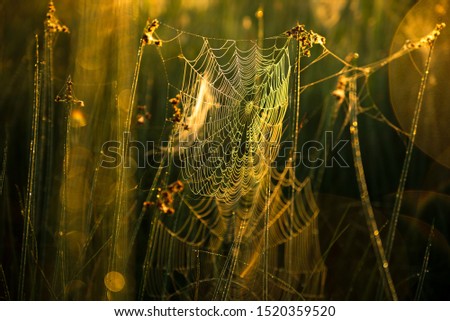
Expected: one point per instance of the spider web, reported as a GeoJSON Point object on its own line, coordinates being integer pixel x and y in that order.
{"type": "Point", "coordinates": [241, 226]}
{"type": "Point", "coordinates": [234, 102]}
{"type": "Point", "coordinates": [230, 222]}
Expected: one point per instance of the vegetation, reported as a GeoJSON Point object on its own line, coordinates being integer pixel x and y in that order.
{"type": "Point", "coordinates": [221, 151]}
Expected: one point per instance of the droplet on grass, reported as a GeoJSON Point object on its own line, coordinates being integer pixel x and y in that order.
{"type": "Point", "coordinates": [405, 75]}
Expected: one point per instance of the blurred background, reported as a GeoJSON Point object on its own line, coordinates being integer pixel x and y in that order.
{"type": "Point", "coordinates": [100, 55]}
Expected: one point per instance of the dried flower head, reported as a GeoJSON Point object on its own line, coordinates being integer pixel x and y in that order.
{"type": "Point", "coordinates": [148, 38]}
{"type": "Point", "coordinates": [428, 40]}
{"type": "Point", "coordinates": [165, 198]}
{"type": "Point", "coordinates": [52, 23]}
{"type": "Point", "coordinates": [305, 38]}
